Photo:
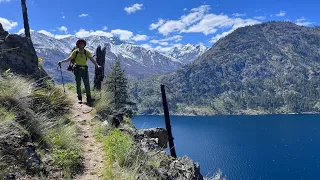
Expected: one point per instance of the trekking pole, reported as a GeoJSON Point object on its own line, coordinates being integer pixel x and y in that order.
{"type": "Point", "coordinates": [62, 78]}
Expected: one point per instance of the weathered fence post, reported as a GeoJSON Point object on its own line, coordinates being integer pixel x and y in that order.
{"type": "Point", "coordinates": [99, 72]}
{"type": "Point", "coordinates": [167, 119]}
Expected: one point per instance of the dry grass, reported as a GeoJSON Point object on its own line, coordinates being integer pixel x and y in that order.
{"type": "Point", "coordinates": [41, 110]}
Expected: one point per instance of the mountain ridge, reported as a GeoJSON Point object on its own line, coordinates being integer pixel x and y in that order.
{"type": "Point", "coordinates": [136, 60]}
{"type": "Point", "coordinates": [272, 67]}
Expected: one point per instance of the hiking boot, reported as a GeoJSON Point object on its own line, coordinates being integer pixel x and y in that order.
{"type": "Point", "coordinates": [79, 100]}
{"type": "Point", "coordinates": [89, 101]}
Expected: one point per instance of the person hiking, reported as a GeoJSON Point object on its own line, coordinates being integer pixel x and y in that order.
{"type": "Point", "coordinates": [79, 57]}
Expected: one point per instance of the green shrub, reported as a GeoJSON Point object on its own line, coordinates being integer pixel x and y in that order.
{"type": "Point", "coordinates": [103, 107]}
{"type": "Point", "coordinates": [51, 100]}
{"type": "Point", "coordinates": [118, 147]}
{"type": "Point", "coordinates": [13, 89]}
{"type": "Point", "coordinates": [66, 148]}
{"type": "Point", "coordinates": [6, 115]}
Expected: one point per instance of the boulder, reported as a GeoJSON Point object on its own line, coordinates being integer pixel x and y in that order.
{"type": "Point", "coordinates": [113, 120]}
{"type": "Point", "coordinates": [15, 144]}
{"type": "Point", "coordinates": [185, 168]}
{"type": "Point", "coordinates": [160, 133]}
{"type": "Point", "coordinates": [18, 54]}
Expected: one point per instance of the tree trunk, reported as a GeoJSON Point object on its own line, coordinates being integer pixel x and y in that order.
{"type": "Point", "coordinates": [25, 18]}
{"type": "Point", "coordinates": [99, 72]}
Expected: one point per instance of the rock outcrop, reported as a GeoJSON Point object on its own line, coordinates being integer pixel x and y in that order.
{"type": "Point", "coordinates": [160, 134]}
{"type": "Point", "coordinates": [18, 54]}
{"type": "Point", "coordinates": [170, 168]}
{"type": "Point", "coordinates": [17, 151]}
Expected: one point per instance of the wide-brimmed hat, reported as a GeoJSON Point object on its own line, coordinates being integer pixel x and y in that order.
{"type": "Point", "coordinates": [81, 41]}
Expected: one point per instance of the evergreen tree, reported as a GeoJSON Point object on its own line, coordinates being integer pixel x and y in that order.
{"type": "Point", "coordinates": [117, 87]}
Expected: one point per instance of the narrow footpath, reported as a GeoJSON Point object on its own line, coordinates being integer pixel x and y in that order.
{"type": "Point", "coordinates": [93, 150]}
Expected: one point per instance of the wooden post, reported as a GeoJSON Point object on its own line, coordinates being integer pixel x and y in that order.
{"type": "Point", "coordinates": [25, 18]}
{"type": "Point", "coordinates": [167, 119]}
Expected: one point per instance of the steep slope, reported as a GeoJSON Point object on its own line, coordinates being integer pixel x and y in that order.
{"type": "Point", "coordinates": [272, 67]}
{"type": "Point", "coordinates": [187, 53]}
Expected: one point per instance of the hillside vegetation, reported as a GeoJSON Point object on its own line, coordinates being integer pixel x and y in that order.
{"type": "Point", "coordinates": [37, 136]}
{"type": "Point", "coordinates": [272, 67]}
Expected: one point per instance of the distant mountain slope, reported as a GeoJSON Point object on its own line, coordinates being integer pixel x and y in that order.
{"type": "Point", "coordinates": [187, 53]}
{"type": "Point", "coordinates": [138, 61]}
{"type": "Point", "coordinates": [272, 67]}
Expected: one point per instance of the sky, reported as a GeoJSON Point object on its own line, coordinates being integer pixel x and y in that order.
{"type": "Point", "coordinates": [154, 24]}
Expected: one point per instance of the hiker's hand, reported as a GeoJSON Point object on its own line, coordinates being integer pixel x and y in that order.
{"type": "Point", "coordinates": [59, 63]}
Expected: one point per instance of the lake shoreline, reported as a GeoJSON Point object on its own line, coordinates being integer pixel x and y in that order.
{"type": "Point", "coordinates": [237, 114]}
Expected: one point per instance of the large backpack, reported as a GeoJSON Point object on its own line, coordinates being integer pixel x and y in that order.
{"type": "Point", "coordinates": [71, 64]}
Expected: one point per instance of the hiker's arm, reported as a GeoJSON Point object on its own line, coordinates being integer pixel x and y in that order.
{"type": "Point", "coordinates": [67, 60]}
{"type": "Point", "coordinates": [94, 62]}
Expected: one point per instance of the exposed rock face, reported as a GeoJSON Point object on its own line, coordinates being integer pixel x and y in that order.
{"type": "Point", "coordinates": [18, 54]}
{"type": "Point", "coordinates": [160, 133]}
{"type": "Point", "coordinates": [17, 149]}
{"type": "Point", "coordinates": [169, 168]}
{"type": "Point", "coordinates": [185, 168]}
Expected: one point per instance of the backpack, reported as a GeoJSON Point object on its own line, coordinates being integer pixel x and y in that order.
{"type": "Point", "coordinates": [71, 64]}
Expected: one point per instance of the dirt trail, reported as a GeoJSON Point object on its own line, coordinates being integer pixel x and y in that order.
{"type": "Point", "coordinates": [93, 150]}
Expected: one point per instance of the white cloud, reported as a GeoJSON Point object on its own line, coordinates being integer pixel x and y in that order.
{"type": "Point", "coordinates": [165, 49]}
{"type": "Point", "coordinates": [63, 17]}
{"type": "Point", "coordinates": [83, 33]}
{"type": "Point", "coordinates": [133, 8]}
{"type": "Point", "coordinates": [219, 36]}
{"type": "Point", "coordinates": [46, 33]}
{"type": "Point", "coordinates": [7, 24]}
{"type": "Point", "coordinates": [63, 28]}
{"type": "Point", "coordinates": [239, 15]}
{"type": "Point", "coordinates": [146, 46]}
{"type": "Point", "coordinates": [4, 1]}
{"type": "Point", "coordinates": [164, 41]}
{"type": "Point", "coordinates": [195, 15]}
{"type": "Point", "coordinates": [185, 9]}
{"type": "Point", "coordinates": [200, 21]}
{"type": "Point", "coordinates": [156, 25]}
{"type": "Point", "coordinates": [281, 13]}
{"type": "Point", "coordinates": [210, 23]}
{"type": "Point", "coordinates": [101, 33]}
{"type": "Point", "coordinates": [236, 23]}
{"type": "Point", "coordinates": [104, 28]}
{"type": "Point", "coordinates": [21, 31]}
{"type": "Point", "coordinates": [140, 37]}
{"type": "Point", "coordinates": [123, 34]}
{"type": "Point", "coordinates": [260, 18]}
{"type": "Point", "coordinates": [62, 36]}
{"type": "Point", "coordinates": [303, 22]}
{"type": "Point", "coordinates": [83, 15]}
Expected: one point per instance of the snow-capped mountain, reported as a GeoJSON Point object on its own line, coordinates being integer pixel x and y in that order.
{"type": "Point", "coordinates": [187, 53]}
{"type": "Point", "coordinates": [136, 60]}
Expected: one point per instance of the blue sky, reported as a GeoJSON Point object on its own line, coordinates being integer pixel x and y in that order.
{"type": "Point", "coordinates": [156, 24]}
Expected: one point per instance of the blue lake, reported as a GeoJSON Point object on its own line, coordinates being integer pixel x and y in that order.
{"type": "Point", "coordinates": [247, 147]}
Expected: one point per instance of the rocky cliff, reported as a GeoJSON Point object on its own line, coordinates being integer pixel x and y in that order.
{"type": "Point", "coordinates": [18, 54]}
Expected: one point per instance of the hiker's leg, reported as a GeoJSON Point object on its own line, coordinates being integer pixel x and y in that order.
{"type": "Point", "coordinates": [78, 83]}
{"type": "Point", "coordinates": [86, 83]}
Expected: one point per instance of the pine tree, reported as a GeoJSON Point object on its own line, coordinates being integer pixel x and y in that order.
{"type": "Point", "coordinates": [117, 86]}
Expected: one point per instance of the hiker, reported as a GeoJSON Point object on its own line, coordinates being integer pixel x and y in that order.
{"type": "Point", "coordinates": [79, 58]}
